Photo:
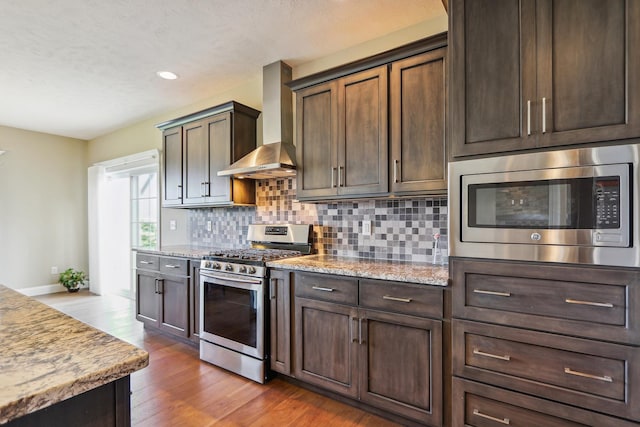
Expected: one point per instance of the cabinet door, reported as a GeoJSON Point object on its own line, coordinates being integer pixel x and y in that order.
{"type": "Point", "coordinates": [194, 301]}
{"type": "Point", "coordinates": [418, 123]}
{"type": "Point", "coordinates": [587, 70]}
{"type": "Point", "coordinates": [399, 365]}
{"type": "Point", "coordinates": [280, 300]}
{"type": "Point", "coordinates": [218, 188]}
{"type": "Point", "coordinates": [317, 140]}
{"type": "Point", "coordinates": [325, 345]}
{"type": "Point", "coordinates": [147, 300]}
{"type": "Point", "coordinates": [362, 136]}
{"type": "Point", "coordinates": [174, 305]}
{"type": "Point", "coordinates": [195, 162]}
{"type": "Point", "coordinates": [492, 55]}
{"type": "Point", "coordinates": [172, 164]}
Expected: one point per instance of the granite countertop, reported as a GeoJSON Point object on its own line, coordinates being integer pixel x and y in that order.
{"type": "Point", "coordinates": [185, 251]}
{"type": "Point", "coordinates": [372, 269]}
{"type": "Point", "coordinates": [47, 356]}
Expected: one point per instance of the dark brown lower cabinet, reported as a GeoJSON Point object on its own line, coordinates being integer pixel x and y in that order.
{"type": "Point", "coordinates": [147, 302]}
{"type": "Point", "coordinates": [326, 345]}
{"type": "Point", "coordinates": [398, 354]}
{"type": "Point", "coordinates": [386, 359]}
{"type": "Point", "coordinates": [591, 374]}
{"type": "Point", "coordinates": [480, 405]}
{"type": "Point", "coordinates": [194, 301]}
{"type": "Point", "coordinates": [280, 321]}
{"type": "Point", "coordinates": [108, 405]}
{"type": "Point", "coordinates": [162, 296]}
{"type": "Point", "coordinates": [544, 344]}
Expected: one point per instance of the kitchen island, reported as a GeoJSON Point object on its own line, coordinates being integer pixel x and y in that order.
{"type": "Point", "coordinates": [56, 370]}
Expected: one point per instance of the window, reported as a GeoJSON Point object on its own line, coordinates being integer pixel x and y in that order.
{"type": "Point", "coordinates": [144, 211]}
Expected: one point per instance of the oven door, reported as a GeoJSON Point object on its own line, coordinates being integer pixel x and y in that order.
{"type": "Point", "coordinates": [232, 312]}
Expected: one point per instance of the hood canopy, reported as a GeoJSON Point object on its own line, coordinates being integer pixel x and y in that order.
{"type": "Point", "coordinates": [277, 156]}
{"type": "Point", "coordinates": [266, 161]}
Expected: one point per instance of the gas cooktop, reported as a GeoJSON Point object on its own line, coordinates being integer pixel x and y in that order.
{"type": "Point", "coordinates": [251, 254]}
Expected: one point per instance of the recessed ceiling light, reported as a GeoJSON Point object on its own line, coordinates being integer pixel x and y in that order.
{"type": "Point", "coordinates": [167, 75]}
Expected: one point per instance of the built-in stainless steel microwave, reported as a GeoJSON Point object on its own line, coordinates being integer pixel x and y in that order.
{"type": "Point", "coordinates": [573, 206]}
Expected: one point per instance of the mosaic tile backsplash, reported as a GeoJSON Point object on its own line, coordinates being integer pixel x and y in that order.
{"type": "Point", "coordinates": [401, 229]}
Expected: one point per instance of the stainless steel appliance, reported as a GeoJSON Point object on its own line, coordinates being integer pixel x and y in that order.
{"type": "Point", "coordinates": [571, 206]}
{"type": "Point", "coordinates": [233, 298]}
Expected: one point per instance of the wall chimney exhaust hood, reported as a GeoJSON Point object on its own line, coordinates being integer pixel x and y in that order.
{"type": "Point", "coordinates": [276, 156]}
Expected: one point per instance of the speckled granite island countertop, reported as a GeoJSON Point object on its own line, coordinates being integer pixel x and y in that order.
{"type": "Point", "coordinates": [185, 251]}
{"type": "Point", "coordinates": [373, 269]}
{"type": "Point", "coordinates": [47, 356]}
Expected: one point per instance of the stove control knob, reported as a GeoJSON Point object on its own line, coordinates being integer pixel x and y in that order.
{"type": "Point", "coordinates": [229, 267]}
{"type": "Point", "coordinates": [252, 270]}
{"type": "Point", "coordinates": [216, 266]}
{"type": "Point", "coordinates": [243, 269]}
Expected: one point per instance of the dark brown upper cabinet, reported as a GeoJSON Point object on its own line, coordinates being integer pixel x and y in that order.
{"type": "Point", "coordinates": [317, 136]}
{"type": "Point", "coordinates": [197, 146]}
{"type": "Point", "coordinates": [342, 136]}
{"type": "Point", "coordinates": [374, 127]}
{"type": "Point", "coordinates": [172, 167]}
{"type": "Point", "coordinates": [528, 74]}
{"type": "Point", "coordinates": [418, 123]}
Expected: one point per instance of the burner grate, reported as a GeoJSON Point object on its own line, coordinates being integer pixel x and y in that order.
{"type": "Point", "coordinates": [252, 254]}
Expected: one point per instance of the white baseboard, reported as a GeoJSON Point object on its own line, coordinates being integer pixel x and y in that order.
{"type": "Point", "coordinates": [42, 290]}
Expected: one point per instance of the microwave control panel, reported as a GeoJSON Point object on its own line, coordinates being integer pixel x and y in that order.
{"type": "Point", "coordinates": [607, 202]}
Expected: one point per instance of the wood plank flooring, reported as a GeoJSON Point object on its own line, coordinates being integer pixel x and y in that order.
{"type": "Point", "coordinates": [178, 389]}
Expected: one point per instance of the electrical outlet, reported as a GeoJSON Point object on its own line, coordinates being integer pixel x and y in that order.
{"type": "Point", "coordinates": [173, 225]}
{"type": "Point", "coordinates": [366, 228]}
{"type": "Point", "coordinates": [54, 270]}
{"type": "Point", "coordinates": [209, 228]}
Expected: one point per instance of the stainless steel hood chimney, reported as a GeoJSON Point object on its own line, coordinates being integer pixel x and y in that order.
{"type": "Point", "coordinates": [276, 156]}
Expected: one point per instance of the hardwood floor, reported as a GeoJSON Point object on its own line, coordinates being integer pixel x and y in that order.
{"type": "Point", "coordinates": [178, 389]}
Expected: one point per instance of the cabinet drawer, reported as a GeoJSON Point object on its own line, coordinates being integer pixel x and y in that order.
{"type": "Point", "coordinates": [480, 405]}
{"type": "Point", "coordinates": [591, 374]}
{"type": "Point", "coordinates": [174, 266]}
{"type": "Point", "coordinates": [341, 290]}
{"type": "Point", "coordinates": [417, 300]}
{"type": "Point", "coordinates": [147, 262]}
{"type": "Point", "coordinates": [581, 301]}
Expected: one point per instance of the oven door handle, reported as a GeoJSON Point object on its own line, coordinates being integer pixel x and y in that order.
{"type": "Point", "coordinates": [247, 281]}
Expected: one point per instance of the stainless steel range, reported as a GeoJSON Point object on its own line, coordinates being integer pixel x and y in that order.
{"type": "Point", "coordinates": [233, 298]}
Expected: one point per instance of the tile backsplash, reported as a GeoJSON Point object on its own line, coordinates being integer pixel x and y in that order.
{"type": "Point", "coordinates": [401, 229]}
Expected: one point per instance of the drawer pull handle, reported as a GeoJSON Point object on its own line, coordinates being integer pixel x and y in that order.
{"type": "Point", "coordinates": [320, 288]}
{"type": "Point", "coordinates": [591, 303]}
{"type": "Point", "coordinates": [171, 266]}
{"type": "Point", "coordinates": [390, 298]}
{"type": "Point", "coordinates": [605, 378]}
{"type": "Point", "coordinates": [504, 421]}
{"type": "Point", "coordinates": [146, 262]}
{"type": "Point", "coordinates": [493, 356]}
{"type": "Point", "coordinates": [494, 293]}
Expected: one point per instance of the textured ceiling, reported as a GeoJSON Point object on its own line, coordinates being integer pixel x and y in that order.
{"type": "Point", "coordinates": [83, 68]}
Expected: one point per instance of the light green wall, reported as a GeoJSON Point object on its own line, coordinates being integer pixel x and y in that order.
{"type": "Point", "coordinates": [375, 46]}
{"type": "Point", "coordinates": [144, 135]}
{"type": "Point", "coordinates": [43, 206]}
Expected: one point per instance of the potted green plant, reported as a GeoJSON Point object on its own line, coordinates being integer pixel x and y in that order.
{"type": "Point", "coordinates": [72, 279]}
